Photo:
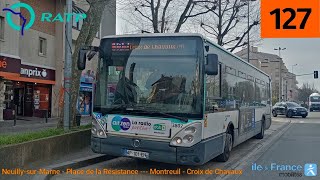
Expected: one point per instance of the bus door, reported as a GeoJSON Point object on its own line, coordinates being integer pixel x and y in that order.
{"type": "Point", "coordinates": [246, 120]}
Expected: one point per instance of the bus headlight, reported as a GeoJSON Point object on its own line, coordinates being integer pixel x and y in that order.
{"type": "Point", "coordinates": [176, 141]}
{"type": "Point", "coordinates": [188, 139]}
{"type": "Point", "coordinates": [188, 136]}
{"type": "Point", "coordinates": [190, 130]}
{"type": "Point", "coordinates": [94, 130]}
{"type": "Point", "coordinates": [97, 129]}
{"type": "Point", "coordinates": [100, 132]}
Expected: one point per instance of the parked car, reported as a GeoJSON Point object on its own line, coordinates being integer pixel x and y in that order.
{"type": "Point", "coordinates": [289, 109]}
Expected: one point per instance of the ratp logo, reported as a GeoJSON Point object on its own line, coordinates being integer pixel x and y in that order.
{"type": "Point", "coordinates": [11, 11]}
{"type": "Point", "coordinates": [45, 17]}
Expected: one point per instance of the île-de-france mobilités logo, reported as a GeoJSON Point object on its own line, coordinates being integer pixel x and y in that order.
{"type": "Point", "coordinates": [45, 17]}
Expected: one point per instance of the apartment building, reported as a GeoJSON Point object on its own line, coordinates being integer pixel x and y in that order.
{"type": "Point", "coordinates": [32, 61]}
{"type": "Point", "coordinates": [32, 65]}
{"type": "Point", "coordinates": [284, 83]}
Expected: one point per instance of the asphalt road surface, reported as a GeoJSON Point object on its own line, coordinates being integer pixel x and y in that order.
{"type": "Point", "coordinates": [299, 145]}
{"type": "Point", "coordinates": [285, 143]}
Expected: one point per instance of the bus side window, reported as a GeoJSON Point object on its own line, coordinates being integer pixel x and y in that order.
{"type": "Point", "coordinates": [213, 92]}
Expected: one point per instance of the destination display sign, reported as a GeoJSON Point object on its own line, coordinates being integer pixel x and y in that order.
{"type": "Point", "coordinates": [152, 46]}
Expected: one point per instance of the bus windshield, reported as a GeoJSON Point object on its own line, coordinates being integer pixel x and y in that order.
{"type": "Point", "coordinates": [315, 98]}
{"type": "Point", "coordinates": [151, 76]}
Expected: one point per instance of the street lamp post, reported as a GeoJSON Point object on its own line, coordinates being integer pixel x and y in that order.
{"type": "Point", "coordinates": [292, 67]}
{"type": "Point", "coordinates": [248, 5]}
{"type": "Point", "coordinates": [280, 71]}
{"type": "Point", "coordinates": [280, 49]}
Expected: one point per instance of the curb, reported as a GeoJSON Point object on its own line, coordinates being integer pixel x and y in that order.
{"type": "Point", "coordinates": [76, 164]}
{"type": "Point", "coordinates": [256, 150]}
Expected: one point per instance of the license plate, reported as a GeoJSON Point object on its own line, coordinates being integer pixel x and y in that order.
{"type": "Point", "coordinates": [303, 112]}
{"type": "Point", "coordinates": [138, 154]}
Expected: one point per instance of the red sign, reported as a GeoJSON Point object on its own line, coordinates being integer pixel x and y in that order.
{"type": "Point", "coordinates": [10, 65]}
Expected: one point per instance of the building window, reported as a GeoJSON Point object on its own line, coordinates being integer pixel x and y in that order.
{"type": "Point", "coordinates": [277, 74]}
{"type": "Point", "coordinates": [42, 46]}
{"type": "Point", "coordinates": [1, 27]}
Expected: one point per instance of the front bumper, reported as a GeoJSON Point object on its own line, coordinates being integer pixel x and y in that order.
{"type": "Point", "coordinates": [161, 151]}
{"type": "Point", "coordinates": [297, 113]}
{"type": "Point", "coordinates": [315, 107]}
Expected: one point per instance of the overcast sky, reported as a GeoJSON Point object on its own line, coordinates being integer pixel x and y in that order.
{"type": "Point", "coordinates": [304, 52]}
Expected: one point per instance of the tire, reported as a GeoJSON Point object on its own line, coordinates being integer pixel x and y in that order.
{"type": "Point", "coordinates": [304, 116]}
{"type": "Point", "coordinates": [311, 110]}
{"type": "Point", "coordinates": [274, 114]}
{"type": "Point", "coordinates": [227, 149]}
{"type": "Point", "coordinates": [289, 114]}
{"type": "Point", "coordinates": [261, 134]}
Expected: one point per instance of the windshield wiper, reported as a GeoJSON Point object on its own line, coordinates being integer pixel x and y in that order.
{"type": "Point", "coordinates": [121, 107]}
{"type": "Point", "coordinates": [161, 113]}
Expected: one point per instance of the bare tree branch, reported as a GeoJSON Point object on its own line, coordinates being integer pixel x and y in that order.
{"type": "Point", "coordinates": [163, 18]}
{"type": "Point", "coordinates": [143, 14]}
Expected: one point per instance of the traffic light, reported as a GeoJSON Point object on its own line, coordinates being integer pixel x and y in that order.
{"type": "Point", "coordinates": [315, 74]}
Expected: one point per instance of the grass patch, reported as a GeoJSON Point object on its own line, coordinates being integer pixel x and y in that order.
{"type": "Point", "coordinates": [29, 136]}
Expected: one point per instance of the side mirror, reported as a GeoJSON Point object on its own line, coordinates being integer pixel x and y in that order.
{"type": "Point", "coordinates": [82, 59]}
{"type": "Point", "coordinates": [212, 64]}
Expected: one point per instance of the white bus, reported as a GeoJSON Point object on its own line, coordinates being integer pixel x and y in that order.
{"type": "Point", "coordinates": [175, 98]}
{"type": "Point", "coordinates": [314, 102]}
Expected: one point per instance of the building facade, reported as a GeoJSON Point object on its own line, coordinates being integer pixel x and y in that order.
{"type": "Point", "coordinates": [284, 83]}
{"type": "Point", "coordinates": [31, 62]}
{"type": "Point", "coordinates": [32, 65]}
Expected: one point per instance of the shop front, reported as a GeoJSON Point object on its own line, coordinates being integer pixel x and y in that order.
{"type": "Point", "coordinates": [32, 91]}
{"type": "Point", "coordinates": [9, 68]}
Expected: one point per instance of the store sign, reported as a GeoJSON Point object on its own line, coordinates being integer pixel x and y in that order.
{"type": "Point", "coordinates": [34, 72]}
{"type": "Point", "coordinates": [37, 72]}
{"type": "Point", "coordinates": [9, 64]}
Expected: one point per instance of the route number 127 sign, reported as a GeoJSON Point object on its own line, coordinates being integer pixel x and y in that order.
{"type": "Point", "coordinates": [290, 18]}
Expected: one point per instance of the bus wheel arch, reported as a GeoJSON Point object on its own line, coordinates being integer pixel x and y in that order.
{"type": "Point", "coordinates": [228, 144]}
{"type": "Point", "coordinates": [263, 126]}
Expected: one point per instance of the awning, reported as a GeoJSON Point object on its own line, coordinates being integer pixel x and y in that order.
{"type": "Point", "coordinates": [7, 75]}
{"type": "Point", "coordinates": [23, 79]}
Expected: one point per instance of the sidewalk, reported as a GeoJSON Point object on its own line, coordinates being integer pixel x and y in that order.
{"type": "Point", "coordinates": [31, 124]}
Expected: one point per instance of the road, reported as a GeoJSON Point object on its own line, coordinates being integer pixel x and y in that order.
{"type": "Point", "coordinates": [299, 145]}
{"type": "Point", "coordinates": [294, 143]}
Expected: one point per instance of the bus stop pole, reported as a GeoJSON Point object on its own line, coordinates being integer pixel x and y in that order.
{"type": "Point", "coordinates": [46, 115]}
{"type": "Point", "coordinates": [15, 115]}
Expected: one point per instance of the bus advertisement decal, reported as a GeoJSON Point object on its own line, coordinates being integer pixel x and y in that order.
{"type": "Point", "coordinates": [135, 125]}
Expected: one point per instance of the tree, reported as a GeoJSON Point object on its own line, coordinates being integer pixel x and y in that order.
{"type": "Point", "coordinates": [305, 91]}
{"type": "Point", "coordinates": [161, 16]}
{"type": "Point", "coordinates": [227, 22]}
{"type": "Point", "coordinates": [86, 36]}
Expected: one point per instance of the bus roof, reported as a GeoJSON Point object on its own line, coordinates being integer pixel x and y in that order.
{"type": "Point", "coordinates": [184, 35]}
{"type": "Point", "coordinates": [314, 94]}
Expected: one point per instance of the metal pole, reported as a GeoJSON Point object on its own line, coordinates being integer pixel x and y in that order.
{"type": "Point", "coordinates": [248, 31]}
{"type": "Point", "coordinates": [15, 115]}
{"type": "Point", "coordinates": [46, 115]}
{"type": "Point", "coordinates": [280, 79]}
{"type": "Point", "coordinates": [286, 90]}
{"type": "Point", "coordinates": [67, 68]}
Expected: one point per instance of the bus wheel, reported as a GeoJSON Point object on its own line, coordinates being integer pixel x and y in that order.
{"type": "Point", "coordinates": [261, 134]}
{"type": "Point", "coordinates": [274, 113]}
{"type": "Point", "coordinates": [227, 149]}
